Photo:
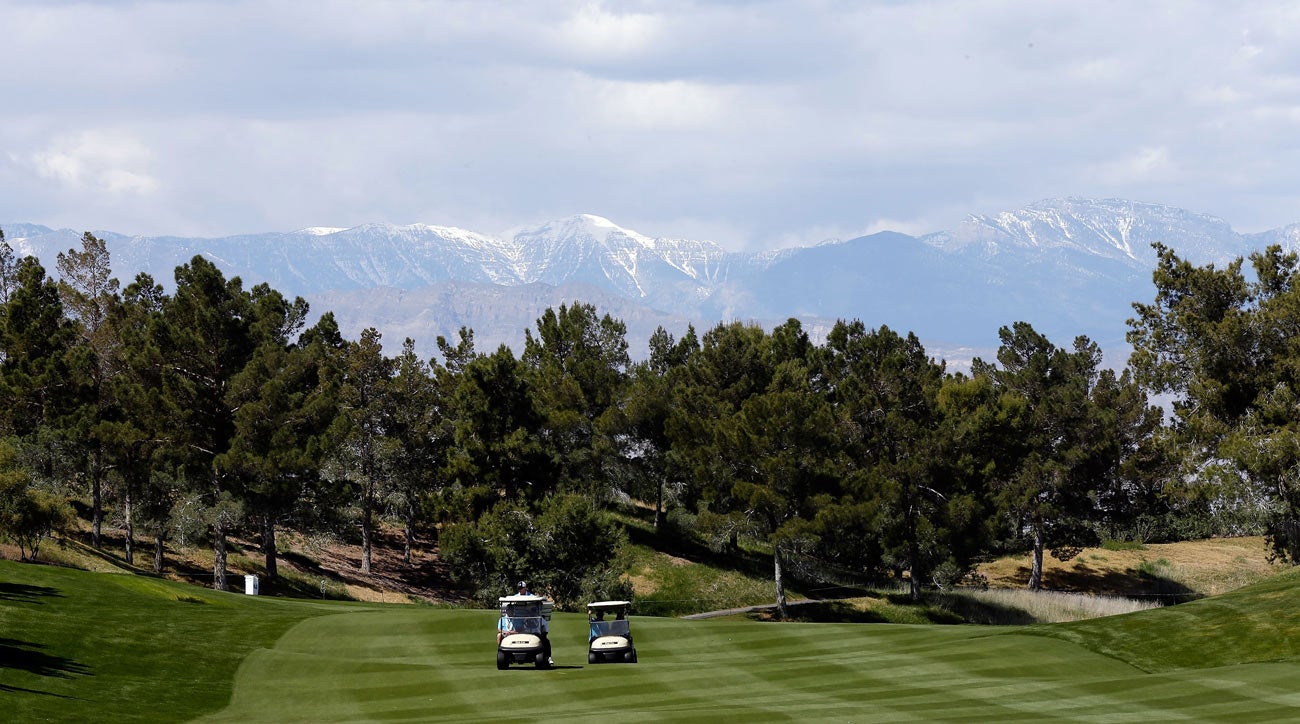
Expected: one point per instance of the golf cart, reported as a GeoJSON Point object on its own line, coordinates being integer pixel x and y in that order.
{"type": "Point", "coordinates": [522, 631]}
{"type": "Point", "coordinates": [611, 634]}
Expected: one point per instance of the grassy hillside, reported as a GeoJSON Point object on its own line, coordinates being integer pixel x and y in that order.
{"type": "Point", "coordinates": [1258, 623]}
{"type": "Point", "coordinates": [114, 647]}
{"type": "Point", "coordinates": [77, 646]}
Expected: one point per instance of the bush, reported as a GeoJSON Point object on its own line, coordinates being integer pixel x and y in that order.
{"type": "Point", "coordinates": [27, 515]}
{"type": "Point", "coordinates": [569, 550]}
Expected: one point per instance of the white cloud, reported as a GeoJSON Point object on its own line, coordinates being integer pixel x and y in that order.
{"type": "Point", "coordinates": [598, 33]}
{"type": "Point", "coordinates": [97, 160]}
{"type": "Point", "coordinates": [1144, 164]}
{"type": "Point", "coordinates": [768, 122]}
{"type": "Point", "coordinates": [649, 106]}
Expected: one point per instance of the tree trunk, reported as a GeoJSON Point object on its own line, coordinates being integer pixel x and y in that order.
{"type": "Point", "coordinates": [97, 501]}
{"type": "Point", "coordinates": [410, 532]}
{"type": "Point", "coordinates": [659, 507]}
{"type": "Point", "coordinates": [365, 534]}
{"type": "Point", "coordinates": [130, 527]}
{"type": "Point", "coordinates": [219, 555]}
{"type": "Point", "coordinates": [1036, 572]}
{"type": "Point", "coordinates": [268, 547]}
{"type": "Point", "coordinates": [913, 548]}
{"type": "Point", "coordinates": [158, 553]}
{"type": "Point", "coordinates": [780, 581]}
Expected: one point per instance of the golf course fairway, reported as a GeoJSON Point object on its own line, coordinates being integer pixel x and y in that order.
{"type": "Point", "coordinates": [277, 660]}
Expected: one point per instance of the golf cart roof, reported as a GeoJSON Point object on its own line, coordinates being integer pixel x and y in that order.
{"type": "Point", "coordinates": [530, 598]}
{"type": "Point", "coordinates": [608, 605]}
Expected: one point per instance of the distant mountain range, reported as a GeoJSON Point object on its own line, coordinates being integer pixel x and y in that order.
{"type": "Point", "coordinates": [1069, 266]}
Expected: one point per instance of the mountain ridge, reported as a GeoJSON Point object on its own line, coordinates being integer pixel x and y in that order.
{"type": "Point", "coordinates": [1069, 266]}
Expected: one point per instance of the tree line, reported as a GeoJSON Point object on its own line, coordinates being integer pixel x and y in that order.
{"type": "Point", "coordinates": [215, 410]}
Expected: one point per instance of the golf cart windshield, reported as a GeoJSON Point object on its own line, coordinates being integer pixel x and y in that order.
{"type": "Point", "coordinates": [609, 628]}
{"type": "Point", "coordinates": [524, 618]}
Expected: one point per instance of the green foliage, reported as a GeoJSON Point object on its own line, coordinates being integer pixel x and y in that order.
{"type": "Point", "coordinates": [28, 515]}
{"type": "Point", "coordinates": [1123, 545]}
{"type": "Point", "coordinates": [1229, 347]}
{"type": "Point", "coordinates": [569, 550]}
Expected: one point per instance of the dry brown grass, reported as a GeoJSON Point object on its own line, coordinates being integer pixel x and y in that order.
{"type": "Point", "coordinates": [1206, 567]}
{"type": "Point", "coordinates": [336, 562]}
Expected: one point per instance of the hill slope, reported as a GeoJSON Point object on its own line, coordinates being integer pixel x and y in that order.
{"type": "Point", "coordinates": [1249, 625]}
{"type": "Point", "coordinates": [79, 646]}
{"type": "Point", "coordinates": [106, 646]}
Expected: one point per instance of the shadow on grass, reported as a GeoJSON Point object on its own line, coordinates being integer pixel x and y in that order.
{"type": "Point", "coordinates": [24, 593]}
{"type": "Point", "coordinates": [899, 608]}
{"type": "Point", "coordinates": [989, 613]}
{"type": "Point", "coordinates": [823, 612]}
{"type": "Point", "coordinates": [1143, 582]}
{"type": "Point", "coordinates": [692, 550]}
{"type": "Point", "coordinates": [29, 657]}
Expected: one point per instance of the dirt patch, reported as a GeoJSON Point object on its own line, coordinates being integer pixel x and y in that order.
{"type": "Point", "coordinates": [302, 568]}
{"type": "Point", "coordinates": [1207, 567]}
{"type": "Point", "coordinates": [391, 579]}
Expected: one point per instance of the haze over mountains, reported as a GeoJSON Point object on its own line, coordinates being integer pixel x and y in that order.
{"type": "Point", "coordinates": [1068, 266]}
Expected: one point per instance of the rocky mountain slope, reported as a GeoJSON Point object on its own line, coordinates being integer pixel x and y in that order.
{"type": "Point", "coordinates": [1069, 266]}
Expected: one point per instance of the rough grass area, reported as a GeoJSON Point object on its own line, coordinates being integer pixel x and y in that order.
{"type": "Point", "coordinates": [1006, 606]}
{"type": "Point", "coordinates": [1169, 571]}
{"type": "Point", "coordinates": [667, 585]}
{"type": "Point", "coordinates": [79, 646]}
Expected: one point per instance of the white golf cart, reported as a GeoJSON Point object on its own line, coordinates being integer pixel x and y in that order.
{"type": "Point", "coordinates": [610, 638]}
{"type": "Point", "coordinates": [523, 631]}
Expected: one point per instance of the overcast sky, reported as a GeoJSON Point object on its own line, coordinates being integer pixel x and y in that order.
{"type": "Point", "coordinates": [753, 124]}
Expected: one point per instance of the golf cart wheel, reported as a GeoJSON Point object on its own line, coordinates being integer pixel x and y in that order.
{"type": "Point", "coordinates": [542, 663]}
{"type": "Point", "coordinates": [503, 661]}
{"type": "Point", "coordinates": [593, 657]}
{"type": "Point", "coordinates": [631, 656]}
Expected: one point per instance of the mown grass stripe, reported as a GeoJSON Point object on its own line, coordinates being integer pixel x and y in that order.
{"type": "Point", "coordinates": [132, 649]}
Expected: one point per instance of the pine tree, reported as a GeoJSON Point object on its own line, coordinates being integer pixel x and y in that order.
{"type": "Point", "coordinates": [205, 339]}
{"type": "Point", "coordinates": [89, 294]}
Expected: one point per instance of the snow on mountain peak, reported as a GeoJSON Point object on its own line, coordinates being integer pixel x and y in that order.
{"type": "Point", "coordinates": [1109, 228]}
{"type": "Point", "coordinates": [320, 230]}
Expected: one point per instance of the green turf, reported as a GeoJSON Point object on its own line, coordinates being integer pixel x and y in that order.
{"type": "Point", "coordinates": [438, 666]}
{"type": "Point", "coordinates": [1257, 623]}
{"type": "Point", "coordinates": [402, 663]}
{"type": "Point", "coordinates": [78, 646]}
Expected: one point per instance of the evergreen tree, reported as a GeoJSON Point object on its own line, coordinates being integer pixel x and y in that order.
{"type": "Point", "coordinates": [1045, 481]}
{"type": "Point", "coordinates": [359, 431]}
{"type": "Point", "coordinates": [885, 391]}
{"type": "Point", "coordinates": [281, 414]}
{"type": "Point", "coordinates": [89, 294]}
{"type": "Point", "coordinates": [637, 435]}
{"type": "Point", "coordinates": [37, 384]}
{"type": "Point", "coordinates": [579, 363]}
{"type": "Point", "coordinates": [497, 429]}
{"type": "Point", "coordinates": [206, 340]}
{"type": "Point", "coordinates": [8, 270]}
{"type": "Point", "coordinates": [1228, 348]}
{"type": "Point", "coordinates": [418, 442]}
{"type": "Point", "coordinates": [137, 432]}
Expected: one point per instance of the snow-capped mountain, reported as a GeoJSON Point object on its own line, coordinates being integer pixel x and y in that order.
{"type": "Point", "coordinates": [1069, 266]}
{"type": "Point", "coordinates": [1113, 229]}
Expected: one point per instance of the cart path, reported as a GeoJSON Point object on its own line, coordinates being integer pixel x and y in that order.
{"type": "Point", "coordinates": [753, 609]}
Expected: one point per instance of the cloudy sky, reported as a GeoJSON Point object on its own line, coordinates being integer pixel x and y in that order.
{"type": "Point", "coordinates": [754, 124]}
